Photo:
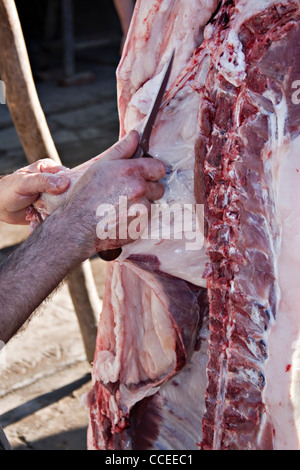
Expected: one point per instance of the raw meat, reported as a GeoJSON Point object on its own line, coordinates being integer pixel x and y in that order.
{"type": "Point", "coordinates": [251, 400]}
{"type": "Point", "coordinates": [230, 130]}
{"type": "Point", "coordinates": [199, 348]}
{"type": "Point", "coordinates": [144, 339]}
{"type": "Point", "coordinates": [130, 395]}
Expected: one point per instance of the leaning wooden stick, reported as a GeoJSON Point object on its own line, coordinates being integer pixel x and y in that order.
{"type": "Point", "coordinates": [30, 122]}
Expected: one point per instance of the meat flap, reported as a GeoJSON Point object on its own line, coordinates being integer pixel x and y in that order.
{"type": "Point", "coordinates": [149, 328]}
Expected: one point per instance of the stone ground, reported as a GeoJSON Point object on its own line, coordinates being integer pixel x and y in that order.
{"type": "Point", "coordinates": [44, 372]}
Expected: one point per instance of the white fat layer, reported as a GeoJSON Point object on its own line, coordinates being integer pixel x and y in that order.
{"type": "Point", "coordinates": [231, 60]}
{"type": "Point", "coordinates": [282, 367]}
{"type": "Point", "coordinates": [183, 253]}
{"type": "Point", "coordinates": [277, 121]}
{"type": "Point", "coordinates": [148, 353]}
{"type": "Point", "coordinates": [171, 27]}
{"type": "Point", "coordinates": [108, 365]}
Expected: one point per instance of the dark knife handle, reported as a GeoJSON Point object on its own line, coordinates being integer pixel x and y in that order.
{"type": "Point", "coordinates": [139, 153]}
{"type": "Point", "coordinates": [110, 255]}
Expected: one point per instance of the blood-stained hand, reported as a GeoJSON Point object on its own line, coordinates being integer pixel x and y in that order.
{"type": "Point", "coordinates": [22, 188]}
{"type": "Point", "coordinates": [113, 177]}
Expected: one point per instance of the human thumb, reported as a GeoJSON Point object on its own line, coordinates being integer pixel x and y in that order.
{"type": "Point", "coordinates": [49, 183]}
{"type": "Point", "coordinates": [125, 148]}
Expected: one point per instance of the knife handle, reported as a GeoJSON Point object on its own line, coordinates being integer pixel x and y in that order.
{"type": "Point", "coordinates": [139, 153]}
{"type": "Point", "coordinates": [110, 255]}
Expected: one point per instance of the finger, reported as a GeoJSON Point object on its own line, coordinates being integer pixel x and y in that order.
{"type": "Point", "coordinates": [16, 218]}
{"type": "Point", "coordinates": [143, 207]}
{"type": "Point", "coordinates": [125, 148]}
{"type": "Point", "coordinates": [37, 183]}
{"type": "Point", "coordinates": [155, 191]}
{"type": "Point", "coordinates": [53, 169]}
{"type": "Point", "coordinates": [150, 169]}
{"type": "Point", "coordinates": [28, 186]}
{"type": "Point", "coordinates": [45, 165]}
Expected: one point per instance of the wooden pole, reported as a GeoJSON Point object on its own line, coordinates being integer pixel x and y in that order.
{"type": "Point", "coordinates": [37, 142]}
{"type": "Point", "coordinates": [87, 305]}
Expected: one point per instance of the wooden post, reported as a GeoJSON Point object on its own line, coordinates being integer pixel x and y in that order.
{"type": "Point", "coordinates": [37, 142]}
{"type": "Point", "coordinates": [87, 305]}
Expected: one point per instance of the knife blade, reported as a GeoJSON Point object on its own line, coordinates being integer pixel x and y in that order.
{"type": "Point", "coordinates": [144, 140]}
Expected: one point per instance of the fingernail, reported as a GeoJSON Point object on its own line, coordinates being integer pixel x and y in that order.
{"type": "Point", "coordinates": [59, 181]}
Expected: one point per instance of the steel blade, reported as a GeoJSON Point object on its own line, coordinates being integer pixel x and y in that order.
{"type": "Point", "coordinates": [146, 133]}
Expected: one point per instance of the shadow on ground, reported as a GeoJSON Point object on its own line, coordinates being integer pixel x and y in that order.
{"type": "Point", "coordinates": [36, 404]}
{"type": "Point", "coordinates": [68, 440]}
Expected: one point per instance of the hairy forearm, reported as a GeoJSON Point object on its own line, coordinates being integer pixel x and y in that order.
{"type": "Point", "coordinates": [69, 235]}
{"type": "Point", "coordinates": [33, 271]}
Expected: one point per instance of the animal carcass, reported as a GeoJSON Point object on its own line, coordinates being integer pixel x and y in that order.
{"type": "Point", "coordinates": [198, 346]}
{"type": "Point", "coordinates": [201, 348]}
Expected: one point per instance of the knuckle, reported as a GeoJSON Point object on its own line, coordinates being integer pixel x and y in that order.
{"type": "Point", "coordinates": [130, 172]}
{"type": "Point", "coordinates": [38, 165]}
{"type": "Point", "coordinates": [128, 167]}
{"type": "Point", "coordinates": [43, 163]}
{"type": "Point", "coordinates": [138, 188]}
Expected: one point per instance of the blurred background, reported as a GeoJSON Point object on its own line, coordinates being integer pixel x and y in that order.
{"type": "Point", "coordinates": [82, 118]}
{"type": "Point", "coordinates": [44, 369]}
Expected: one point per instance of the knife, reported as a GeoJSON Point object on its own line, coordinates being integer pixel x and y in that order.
{"type": "Point", "coordinates": [144, 140]}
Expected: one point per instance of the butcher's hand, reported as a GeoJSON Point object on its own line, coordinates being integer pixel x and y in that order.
{"type": "Point", "coordinates": [111, 180]}
{"type": "Point", "coordinates": [20, 189]}
{"type": "Point", "coordinates": [68, 236]}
